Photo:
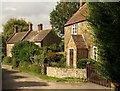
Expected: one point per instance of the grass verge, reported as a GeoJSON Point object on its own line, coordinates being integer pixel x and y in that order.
{"type": "Point", "coordinates": [52, 79]}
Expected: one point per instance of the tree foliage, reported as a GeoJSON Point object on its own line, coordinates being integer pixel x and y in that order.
{"type": "Point", "coordinates": [105, 19]}
{"type": "Point", "coordinates": [8, 30]}
{"type": "Point", "coordinates": [25, 51]}
{"type": "Point", "coordinates": [8, 27]}
{"type": "Point", "coordinates": [61, 14]}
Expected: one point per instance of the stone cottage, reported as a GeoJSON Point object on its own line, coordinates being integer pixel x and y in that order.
{"type": "Point", "coordinates": [78, 38]}
{"type": "Point", "coordinates": [40, 37]}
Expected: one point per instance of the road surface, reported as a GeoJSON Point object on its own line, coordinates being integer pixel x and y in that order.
{"type": "Point", "coordinates": [14, 79]}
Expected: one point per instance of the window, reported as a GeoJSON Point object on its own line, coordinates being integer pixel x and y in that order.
{"type": "Point", "coordinates": [95, 52]}
{"type": "Point", "coordinates": [74, 29]}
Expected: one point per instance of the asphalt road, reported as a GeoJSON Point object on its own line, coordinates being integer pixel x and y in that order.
{"type": "Point", "coordinates": [14, 79]}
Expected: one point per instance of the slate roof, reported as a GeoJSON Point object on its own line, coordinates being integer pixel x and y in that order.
{"type": "Point", "coordinates": [33, 36]}
{"type": "Point", "coordinates": [79, 16]}
{"type": "Point", "coordinates": [79, 41]}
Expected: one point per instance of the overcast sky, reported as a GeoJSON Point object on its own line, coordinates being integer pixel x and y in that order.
{"type": "Point", "coordinates": [35, 12]}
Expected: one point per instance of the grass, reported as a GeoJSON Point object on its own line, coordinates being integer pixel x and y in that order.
{"type": "Point", "coordinates": [54, 79]}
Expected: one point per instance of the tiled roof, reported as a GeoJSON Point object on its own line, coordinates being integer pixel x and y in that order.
{"type": "Point", "coordinates": [35, 36]}
{"type": "Point", "coordinates": [79, 16]}
{"type": "Point", "coordinates": [32, 36]}
{"type": "Point", "coordinates": [79, 41]}
{"type": "Point", "coordinates": [17, 37]}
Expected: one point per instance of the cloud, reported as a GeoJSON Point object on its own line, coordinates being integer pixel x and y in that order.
{"type": "Point", "coordinates": [10, 9]}
{"type": "Point", "coordinates": [35, 12]}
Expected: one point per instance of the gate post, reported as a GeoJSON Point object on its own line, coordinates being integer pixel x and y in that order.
{"type": "Point", "coordinates": [88, 68]}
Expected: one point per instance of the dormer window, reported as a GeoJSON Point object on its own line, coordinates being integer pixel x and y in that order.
{"type": "Point", "coordinates": [74, 29]}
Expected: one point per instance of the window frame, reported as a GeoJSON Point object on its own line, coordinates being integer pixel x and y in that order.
{"type": "Point", "coordinates": [74, 29]}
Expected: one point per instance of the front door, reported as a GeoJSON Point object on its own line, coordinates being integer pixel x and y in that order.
{"type": "Point", "coordinates": [71, 57]}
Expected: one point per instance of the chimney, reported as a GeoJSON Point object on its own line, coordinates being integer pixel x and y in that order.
{"type": "Point", "coordinates": [15, 29]}
{"type": "Point", "coordinates": [40, 27]}
{"type": "Point", "coordinates": [30, 27]}
{"type": "Point", "coordinates": [81, 3]}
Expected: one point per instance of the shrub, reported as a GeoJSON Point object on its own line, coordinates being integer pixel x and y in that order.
{"type": "Point", "coordinates": [53, 64]}
{"type": "Point", "coordinates": [25, 51]}
{"type": "Point", "coordinates": [35, 68]}
{"type": "Point", "coordinates": [53, 47]}
{"type": "Point", "coordinates": [60, 63]}
{"type": "Point", "coordinates": [23, 65]}
{"type": "Point", "coordinates": [15, 63]}
{"type": "Point", "coordinates": [82, 62]}
{"type": "Point", "coordinates": [51, 56]}
{"type": "Point", "coordinates": [61, 46]}
{"type": "Point", "coordinates": [7, 60]}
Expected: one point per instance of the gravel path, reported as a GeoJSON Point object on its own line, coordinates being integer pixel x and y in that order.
{"type": "Point", "coordinates": [13, 79]}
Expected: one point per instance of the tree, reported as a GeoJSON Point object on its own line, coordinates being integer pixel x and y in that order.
{"type": "Point", "coordinates": [8, 27]}
{"type": "Point", "coordinates": [8, 30]}
{"type": "Point", "coordinates": [105, 20]}
{"type": "Point", "coordinates": [61, 14]}
{"type": "Point", "coordinates": [25, 51]}
{"type": "Point", "coordinates": [3, 46]}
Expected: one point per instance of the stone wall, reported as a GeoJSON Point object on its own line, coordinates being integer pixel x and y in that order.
{"type": "Point", "coordinates": [8, 50]}
{"type": "Point", "coordinates": [66, 72]}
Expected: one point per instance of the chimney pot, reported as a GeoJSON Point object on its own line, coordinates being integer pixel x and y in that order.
{"type": "Point", "coordinates": [30, 27]}
{"type": "Point", "coordinates": [40, 27]}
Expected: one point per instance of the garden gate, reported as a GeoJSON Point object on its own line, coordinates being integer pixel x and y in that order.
{"type": "Point", "coordinates": [94, 76]}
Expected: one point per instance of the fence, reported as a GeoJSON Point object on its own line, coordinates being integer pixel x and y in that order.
{"type": "Point", "coordinates": [94, 76]}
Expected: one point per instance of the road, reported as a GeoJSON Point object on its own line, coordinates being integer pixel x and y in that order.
{"type": "Point", "coordinates": [14, 79]}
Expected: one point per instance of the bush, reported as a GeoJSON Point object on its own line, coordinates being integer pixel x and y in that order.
{"type": "Point", "coordinates": [25, 51]}
{"type": "Point", "coordinates": [23, 65]}
{"type": "Point", "coordinates": [35, 68]}
{"type": "Point", "coordinates": [15, 63]}
{"type": "Point", "coordinates": [60, 63]}
{"type": "Point", "coordinates": [54, 64]}
{"type": "Point", "coordinates": [82, 62]}
{"type": "Point", "coordinates": [7, 60]}
{"type": "Point", "coordinates": [53, 47]}
{"type": "Point", "coordinates": [61, 46]}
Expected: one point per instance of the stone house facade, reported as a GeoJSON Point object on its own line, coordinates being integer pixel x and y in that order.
{"type": "Point", "coordinates": [78, 38]}
{"type": "Point", "coordinates": [40, 37]}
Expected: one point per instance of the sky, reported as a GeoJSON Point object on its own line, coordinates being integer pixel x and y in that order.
{"type": "Point", "coordinates": [35, 12]}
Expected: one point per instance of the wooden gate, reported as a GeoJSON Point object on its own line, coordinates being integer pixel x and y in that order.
{"type": "Point", "coordinates": [94, 76]}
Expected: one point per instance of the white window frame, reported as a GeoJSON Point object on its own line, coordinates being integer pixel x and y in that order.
{"type": "Point", "coordinates": [74, 29]}
{"type": "Point", "coordinates": [95, 51]}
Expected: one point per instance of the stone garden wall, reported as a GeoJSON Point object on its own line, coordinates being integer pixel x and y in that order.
{"type": "Point", "coordinates": [66, 72]}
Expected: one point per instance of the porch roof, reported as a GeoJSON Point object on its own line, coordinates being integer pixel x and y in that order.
{"type": "Point", "coordinates": [79, 42]}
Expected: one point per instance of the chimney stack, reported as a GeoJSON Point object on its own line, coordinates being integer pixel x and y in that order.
{"type": "Point", "coordinates": [30, 27]}
{"type": "Point", "coordinates": [81, 3]}
{"type": "Point", "coordinates": [15, 29]}
{"type": "Point", "coordinates": [40, 27]}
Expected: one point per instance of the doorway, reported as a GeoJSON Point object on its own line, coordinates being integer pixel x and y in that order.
{"type": "Point", "coordinates": [71, 54]}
